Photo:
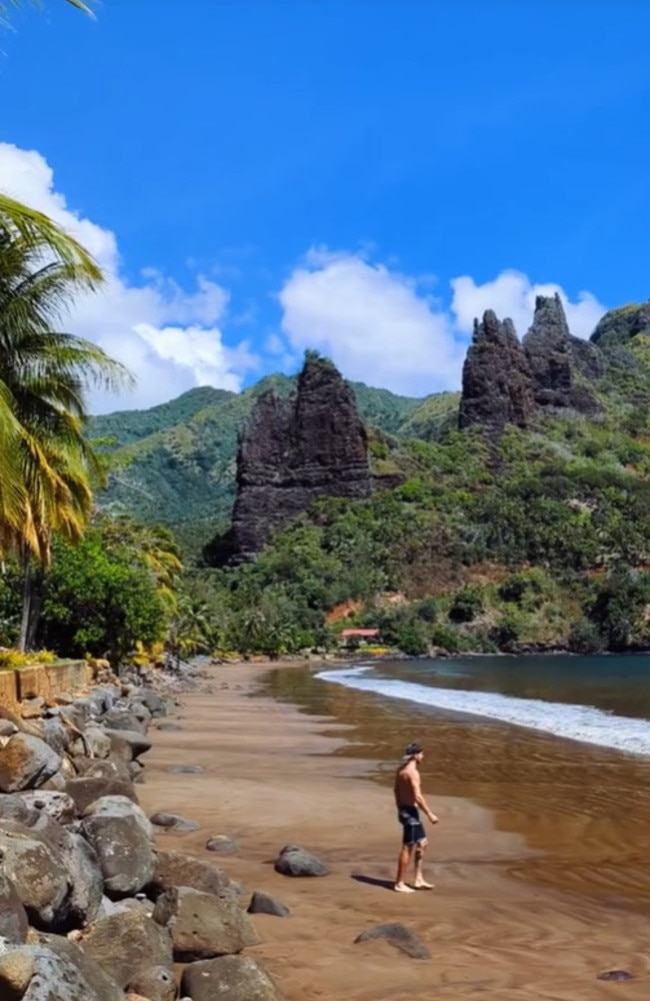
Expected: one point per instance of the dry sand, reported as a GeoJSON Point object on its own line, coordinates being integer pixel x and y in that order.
{"type": "Point", "coordinates": [270, 778]}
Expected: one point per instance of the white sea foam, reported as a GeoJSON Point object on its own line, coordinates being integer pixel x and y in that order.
{"type": "Point", "coordinates": [577, 722]}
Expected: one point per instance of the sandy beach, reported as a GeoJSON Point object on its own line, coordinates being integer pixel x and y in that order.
{"type": "Point", "coordinates": [273, 775]}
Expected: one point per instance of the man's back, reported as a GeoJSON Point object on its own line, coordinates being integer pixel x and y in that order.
{"type": "Point", "coordinates": [405, 784]}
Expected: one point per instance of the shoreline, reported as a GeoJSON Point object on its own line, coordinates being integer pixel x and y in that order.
{"type": "Point", "coordinates": [275, 775]}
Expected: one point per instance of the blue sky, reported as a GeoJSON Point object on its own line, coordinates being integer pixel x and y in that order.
{"type": "Point", "coordinates": [361, 176]}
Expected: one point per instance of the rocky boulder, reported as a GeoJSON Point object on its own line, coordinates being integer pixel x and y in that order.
{"type": "Point", "coordinates": [57, 971]}
{"type": "Point", "coordinates": [237, 978]}
{"type": "Point", "coordinates": [113, 768]}
{"type": "Point", "coordinates": [203, 926]}
{"type": "Point", "coordinates": [155, 984]}
{"type": "Point", "coordinates": [264, 903]}
{"type": "Point", "coordinates": [57, 806]}
{"type": "Point", "coordinates": [128, 945]}
{"type": "Point", "coordinates": [13, 916]}
{"type": "Point", "coordinates": [87, 790]}
{"type": "Point", "coordinates": [120, 835]}
{"type": "Point", "coordinates": [129, 744]}
{"type": "Point", "coordinates": [26, 762]}
{"type": "Point", "coordinates": [175, 869]}
{"type": "Point", "coordinates": [295, 861]}
{"type": "Point", "coordinates": [497, 381]}
{"type": "Point", "coordinates": [38, 873]}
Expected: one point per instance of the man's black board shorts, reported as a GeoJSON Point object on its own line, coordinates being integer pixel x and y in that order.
{"type": "Point", "coordinates": [412, 827]}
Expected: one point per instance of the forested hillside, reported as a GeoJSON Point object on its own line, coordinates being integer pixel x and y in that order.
{"type": "Point", "coordinates": [175, 463]}
{"type": "Point", "coordinates": [531, 532]}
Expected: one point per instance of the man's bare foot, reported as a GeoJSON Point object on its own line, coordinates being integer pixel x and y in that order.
{"type": "Point", "coordinates": [423, 885]}
{"type": "Point", "coordinates": [403, 888]}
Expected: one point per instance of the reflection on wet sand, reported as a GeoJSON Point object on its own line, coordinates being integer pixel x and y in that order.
{"type": "Point", "coordinates": [584, 811]}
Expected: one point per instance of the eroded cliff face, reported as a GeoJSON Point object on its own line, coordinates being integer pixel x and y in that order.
{"type": "Point", "coordinates": [557, 360]}
{"type": "Point", "coordinates": [292, 452]}
{"type": "Point", "coordinates": [497, 381]}
{"type": "Point", "coordinates": [508, 382]}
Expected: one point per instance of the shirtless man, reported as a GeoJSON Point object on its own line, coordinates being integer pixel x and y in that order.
{"type": "Point", "coordinates": [409, 800]}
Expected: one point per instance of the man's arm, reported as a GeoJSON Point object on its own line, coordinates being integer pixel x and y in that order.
{"type": "Point", "coordinates": [420, 800]}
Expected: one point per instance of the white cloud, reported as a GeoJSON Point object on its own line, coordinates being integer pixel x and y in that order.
{"type": "Point", "coordinates": [382, 328]}
{"type": "Point", "coordinates": [171, 339]}
{"type": "Point", "coordinates": [374, 323]}
{"type": "Point", "coordinates": [513, 294]}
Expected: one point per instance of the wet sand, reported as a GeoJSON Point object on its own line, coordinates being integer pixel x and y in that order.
{"type": "Point", "coordinates": [273, 775]}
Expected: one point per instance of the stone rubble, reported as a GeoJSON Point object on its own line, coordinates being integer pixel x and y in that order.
{"type": "Point", "coordinates": [90, 910]}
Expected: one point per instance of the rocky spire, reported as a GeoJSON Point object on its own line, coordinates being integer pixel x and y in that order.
{"type": "Point", "coordinates": [557, 359]}
{"type": "Point", "coordinates": [497, 385]}
{"type": "Point", "coordinates": [292, 452]}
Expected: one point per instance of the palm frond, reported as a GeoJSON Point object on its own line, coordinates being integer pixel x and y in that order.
{"type": "Point", "coordinates": [40, 232]}
{"type": "Point", "coordinates": [6, 4]}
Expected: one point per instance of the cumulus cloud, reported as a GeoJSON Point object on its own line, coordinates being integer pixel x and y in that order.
{"type": "Point", "coordinates": [171, 339]}
{"type": "Point", "coordinates": [384, 328]}
{"type": "Point", "coordinates": [513, 294]}
{"type": "Point", "coordinates": [379, 326]}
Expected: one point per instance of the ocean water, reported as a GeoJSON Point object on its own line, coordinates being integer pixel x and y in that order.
{"type": "Point", "coordinates": [603, 701]}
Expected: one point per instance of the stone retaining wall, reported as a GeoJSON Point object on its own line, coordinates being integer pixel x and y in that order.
{"type": "Point", "coordinates": [46, 680]}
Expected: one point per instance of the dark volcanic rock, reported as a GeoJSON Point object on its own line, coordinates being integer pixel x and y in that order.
{"type": "Point", "coordinates": [614, 975]}
{"type": "Point", "coordinates": [399, 936]}
{"type": "Point", "coordinates": [552, 354]}
{"type": "Point", "coordinates": [173, 822]}
{"type": "Point", "coordinates": [497, 381]}
{"type": "Point", "coordinates": [120, 833]}
{"type": "Point", "coordinates": [85, 791]}
{"type": "Point", "coordinates": [54, 971]}
{"type": "Point", "coordinates": [295, 861]}
{"type": "Point", "coordinates": [292, 452]}
{"type": "Point", "coordinates": [127, 944]}
{"type": "Point", "coordinates": [264, 903]}
{"type": "Point", "coordinates": [588, 360]}
{"type": "Point", "coordinates": [222, 845]}
{"type": "Point", "coordinates": [238, 978]}
{"type": "Point", "coordinates": [26, 763]}
{"type": "Point", "coordinates": [13, 917]}
{"type": "Point", "coordinates": [175, 869]}
{"type": "Point", "coordinates": [203, 926]}
{"type": "Point", "coordinates": [155, 984]}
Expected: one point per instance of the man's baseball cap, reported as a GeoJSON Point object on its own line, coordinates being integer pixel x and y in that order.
{"type": "Point", "coordinates": [412, 750]}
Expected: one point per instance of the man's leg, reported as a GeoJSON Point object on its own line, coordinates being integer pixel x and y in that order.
{"type": "Point", "coordinates": [420, 883]}
{"type": "Point", "coordinates": [402, 866]}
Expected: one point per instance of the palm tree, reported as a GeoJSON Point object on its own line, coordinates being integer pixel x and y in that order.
{"type": "Point", "coordinates": [45, 460]}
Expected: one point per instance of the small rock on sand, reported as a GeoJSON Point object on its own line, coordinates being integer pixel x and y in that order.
{"type": "Point", "coordinates": [615, 975]}
{"type": "Point", "coordinates": [295, 861]}
{"type": "Point", "coordinates": [264, 903]}
{"type": "Point", "coordinates": [173, 822]}
{"type": "Point", "coordinates": [222, 844]}
{"type": "Point", "coordinates": [399, 936]}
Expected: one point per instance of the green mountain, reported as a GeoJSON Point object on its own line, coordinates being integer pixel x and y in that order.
{"type": "Point", "coordinates": [535, 537]}
{"type": "Point", "coordinates": [175, 463]}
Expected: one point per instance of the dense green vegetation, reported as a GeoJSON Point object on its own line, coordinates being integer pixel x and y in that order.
{"type": "Point", "coordinates": [538, 541]}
